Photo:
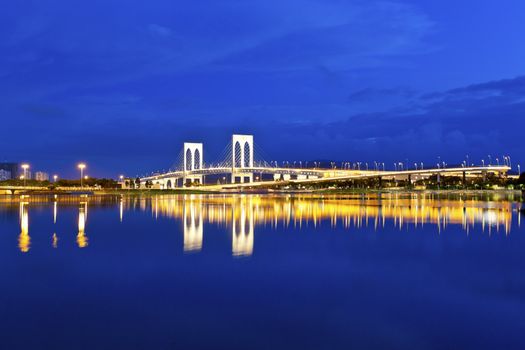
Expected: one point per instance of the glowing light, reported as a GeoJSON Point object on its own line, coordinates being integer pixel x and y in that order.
{"type": "Point", "coordinates": [24, 240]}
{"type": "Point", "coordinates": [54, 240]}
{"type": "Point", "coordinates": [82, 240]}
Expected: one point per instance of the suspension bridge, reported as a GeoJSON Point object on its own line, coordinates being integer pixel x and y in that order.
{"type": "Point", "coordinates": [240, 166]}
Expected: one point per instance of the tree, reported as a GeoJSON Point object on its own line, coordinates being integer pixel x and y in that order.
{"type": "Point", "coordinates": [137, 182]}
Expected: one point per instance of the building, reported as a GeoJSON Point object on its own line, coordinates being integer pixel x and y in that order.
{"type": "Point", "coordinates": [5, 175]}
{"type": "Point", "coordinates": [12, 168]}
{"type": "Point", "coordinates": [41, 176]}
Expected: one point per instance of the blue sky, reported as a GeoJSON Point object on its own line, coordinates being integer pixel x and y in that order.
{"type": "Point", "coordinates": [122, 84]}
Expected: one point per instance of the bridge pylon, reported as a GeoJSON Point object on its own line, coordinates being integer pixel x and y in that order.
{"type": "Point", "coordinates": [193, 160]}
{"type": "Point", "coordinates": [242, 158]}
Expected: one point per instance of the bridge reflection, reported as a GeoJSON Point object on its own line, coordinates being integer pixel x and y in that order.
{"type": "Point", "coordinates": [241, 214]}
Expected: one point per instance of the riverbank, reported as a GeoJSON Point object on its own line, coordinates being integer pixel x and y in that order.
{"type": "Point", "coordinates": [203, 190]}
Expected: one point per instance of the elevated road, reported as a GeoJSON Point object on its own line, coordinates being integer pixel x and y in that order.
{"type": "Point", "coordinates": [316, 175]}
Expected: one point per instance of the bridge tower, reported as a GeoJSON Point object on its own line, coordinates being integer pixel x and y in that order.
{"type": "Point", "coordinates": [242, 158]}
{"type": "Point", "coordinates": [193, 160]}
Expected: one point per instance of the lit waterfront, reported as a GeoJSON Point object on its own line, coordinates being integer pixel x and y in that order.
{"type": "Point", "coordinates": [242, 214]}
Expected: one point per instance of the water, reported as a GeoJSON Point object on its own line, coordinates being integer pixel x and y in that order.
{"type": "Point", "coordinates": [262, 272]}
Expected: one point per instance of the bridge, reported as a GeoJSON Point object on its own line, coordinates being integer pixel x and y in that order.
{"type": "Point", "coordinates": [238, 169]}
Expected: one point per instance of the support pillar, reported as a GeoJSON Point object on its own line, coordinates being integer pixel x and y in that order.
{"type": "Point", "coordinates": [242, 156]}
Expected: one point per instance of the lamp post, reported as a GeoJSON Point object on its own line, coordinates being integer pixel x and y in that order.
{"type": "Point", "coordinates": [81, 166]}
{"type": "Point", "coordinates": [55, 177]}
{"type": "Point", "coordinates": [25, 167]}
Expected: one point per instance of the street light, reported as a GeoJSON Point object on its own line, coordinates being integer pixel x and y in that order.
{"type": "Point", "coordinates": [55, 177]}
{"type": "Point", "coordinates": [81, 166]}
{"type": "Point", "coordinates": [25, 167]}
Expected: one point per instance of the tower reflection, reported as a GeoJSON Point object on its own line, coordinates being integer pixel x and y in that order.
{"type": "Point", "coordinates": [193, 224]}
{"type": "Point", "coordinates": [242, 226]}
{"type": "Point", "coordinates": [242, 213]}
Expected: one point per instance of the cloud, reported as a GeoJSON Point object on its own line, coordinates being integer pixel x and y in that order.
{"type": "Point", "coordinates": [43, 111]}
{"type": "Point", "coordinates": [159, 30]}
{"type": "Point", "coordinates": [346, 36]}
{"type": "Point", "coordinates": [322, 78]}
{"type": "Point", "coordinates": [460, 122]}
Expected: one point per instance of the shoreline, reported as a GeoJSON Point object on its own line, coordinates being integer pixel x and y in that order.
{"type": "Point", "coordinates": [86, 191]}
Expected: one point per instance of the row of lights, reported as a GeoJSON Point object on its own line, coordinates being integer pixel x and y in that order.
{"type": "Point", "coordinates": [80, 166]}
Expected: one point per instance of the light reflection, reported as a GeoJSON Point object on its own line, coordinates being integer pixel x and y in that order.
{"type": "Point", "coordinates": [54, 212]}
{"type": "Point", "coordinates": [121, 209]}
{"type": "Point", "coordinates": [241, 215]}
{"type": "Point", "coordinates": [193, 224]}
{"type": "Point", "coordinates": [54, 241]}
{"type": "Point", "coordinates": [24, 240]}
{"type": "Point", "coordinates": [82, 239]}
{"type": "Point", "coordinates": [242, 227]}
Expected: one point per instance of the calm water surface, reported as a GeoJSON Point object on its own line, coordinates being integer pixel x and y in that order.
{"type": "Point", "coordinates": [262, 272]}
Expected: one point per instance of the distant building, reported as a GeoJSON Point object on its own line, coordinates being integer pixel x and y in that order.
{"type": "Point", "coordinates": [12, 168]}
{"type": "Point", "coordinates": [4, 175]}
{"type": "Point", "coordinates": [41, 176]}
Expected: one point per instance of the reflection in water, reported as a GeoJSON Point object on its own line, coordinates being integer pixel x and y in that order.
{"type": "Point", "coordinates": [241, 214]}
{"type": "Point", "coordinates": [24, 241]}
{"type": "Point", "coordinates": [193, 230]}
{"type": "Point", "coordinates": [242, 227]}
{"type": "Point", "coordinates": [54, 240]}
{"type": "Point", "coordinates": [82, 239]}
{"type": "Point", "coordinates": [121, 209]}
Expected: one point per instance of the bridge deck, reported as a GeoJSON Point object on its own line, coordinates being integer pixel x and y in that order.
{"type": "Point", "coordinates": [323, 175]}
